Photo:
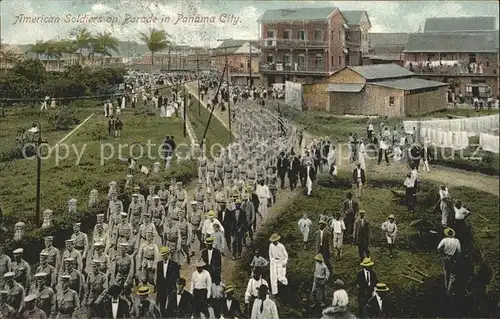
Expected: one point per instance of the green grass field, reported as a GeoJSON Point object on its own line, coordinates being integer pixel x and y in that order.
{"type": "Point", "coordinates": [75, 178]}
{"type": "Point", "coordinates": [379, 202]}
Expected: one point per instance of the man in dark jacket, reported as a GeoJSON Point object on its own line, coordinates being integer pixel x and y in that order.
{"type": "Point", "coordinates": [167, 273]}
{"type": "Point", "coordinates": [182, 305]}
{"type": "Point", "coordinates": [350, 210]}
{"type": "Point", "coordinates": [362, 235]}
{"type": "Point", "coordinates": [226, 217]}
{"type": "Point", "coordinates": [380, 304]}
{"type": "Point", "coordinates": [116, 307]}
{"type": "Point", "coordinates": [366, 280]}
{"type": "Point", "coordinates": [358, 180]}
{"type": "Point", "coordinates": [231, 307]}
{"type": "Point", "coordinates": [282, 168]}
{"type": "Point", "coordinates": [323, 240]}
{"type": "Point", "coordinates": [293, 172]}
{"type": "Point", "coordinates": [212, 257]}
{"type": "Point", "coordinates": [238, 228]}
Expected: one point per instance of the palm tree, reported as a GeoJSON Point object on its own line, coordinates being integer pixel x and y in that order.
{"type": "Point", "coordinates": [55, 49]}
{"type": "Point", "coordinates": [9, 57]}
{"type": "Point", "coordinates": [38, 48]}
{"type": "Point", "coordinates": [70, 47]}
{"type": "Point", "coordinates": [83, 39]}
{"type": "Point", "coordinates": [104, 43]}
{"type": "Point", "coordinates": [156, 41]}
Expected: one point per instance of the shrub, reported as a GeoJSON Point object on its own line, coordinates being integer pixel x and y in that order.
{"type": "Point", "coordinates": [63, 118]}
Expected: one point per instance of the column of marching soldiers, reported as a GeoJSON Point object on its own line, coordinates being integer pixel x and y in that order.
{"type": "Point", "coordinates": [136, 253]}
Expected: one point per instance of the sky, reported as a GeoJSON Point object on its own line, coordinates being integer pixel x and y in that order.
{"type": "Point", "coordinates": [235, 19]}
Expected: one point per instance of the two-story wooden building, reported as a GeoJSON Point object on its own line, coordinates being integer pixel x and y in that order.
{"type": "Point", "coordinates": [460, 51]}
{"type": "Point", "coordinates": [243, 58]}
{"type": "Point", "coordinates": [386, 48]}
{"type": "Point", "coordinates": [303, 45]}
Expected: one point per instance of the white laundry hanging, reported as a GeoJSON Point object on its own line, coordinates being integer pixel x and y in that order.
{"type": "Point", "coordinates": [489, 142]}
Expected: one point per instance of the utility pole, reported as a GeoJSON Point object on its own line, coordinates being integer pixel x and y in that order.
{"type": "Point", "coordinates": [184, 108]}
{"type": "Point", "coordinates": [228, 96]}
{"type": "Point", "coordinates": [212, 110]}
{"type": "Point", "coordinates": [169, 48]}
{"type": "Point", "coordinates": [198, 80]}
{"type": "Point", "coordinates": [250, 70]}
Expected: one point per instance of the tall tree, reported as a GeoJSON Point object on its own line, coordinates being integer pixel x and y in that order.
{"type": "Point", "coordinates": [83, 40]}
{"type": "Point", "coordinates": [38, 48]}
{"type": "Point", "coordinates": [156, 41]}
{"type": "Point", "coordinates": [104, 43]}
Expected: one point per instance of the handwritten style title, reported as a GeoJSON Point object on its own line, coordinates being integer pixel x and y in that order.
{"type": "Point", "coordinates": [223, 18]}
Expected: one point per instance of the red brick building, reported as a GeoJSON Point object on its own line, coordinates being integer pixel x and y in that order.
{"type": "Point", "coordinates": [243, 57]}
{"type": "Point", "coordinates": [303, 44]}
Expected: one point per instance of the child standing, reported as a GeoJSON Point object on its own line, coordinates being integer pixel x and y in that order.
{"type": "Point", "coordinates": [304, 227]}
{"type": "Point", "coordinates": [321, 274]}
{"type": "Point", "coordinates": [217, 296]}
{"type": "Point", "coordinates": [258, 261]}
{"type": "Point", "coordinates": [390, 229]}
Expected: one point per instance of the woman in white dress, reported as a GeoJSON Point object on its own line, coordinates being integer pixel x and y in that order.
{"type": "Point", "coordinates": [123, 102]}
{"type": "Point", "coordinates": [163, 111]}
{"type": "Point", "coordinates": [445, 198]}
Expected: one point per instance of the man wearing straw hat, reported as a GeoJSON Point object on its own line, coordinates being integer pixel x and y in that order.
{"type": "Point", "coordinates": [379, 305]}
{"type": "Point", "coordinates": [167, 273]}
{"type": "Point", "coordinates": [201, 286]}
{"type": "Point", "coordinates": [231, 306]}
{"type": "Point", "coordinates": [67, 300]}
{"type": "Point", "coordinates": [278, 258]}
{"type": "Point", "coordinates": [213, 258]}
{"type": "Point", "coordinates": [449, 249]}
{"type": "Point", "coordinates": [145, 307]}
{"type": "Point", "coordinates": [264, 307]}
{"type": "Point", "coordinates": [366, 280]}
{"type": "Point", "coordinates": [321, 275]}
{"type": "Point", "coordinates": [208, 229]}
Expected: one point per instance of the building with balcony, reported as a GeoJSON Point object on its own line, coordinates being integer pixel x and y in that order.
{"type": "Point", "coordinates": [460, 51]}
{"type": "Point", "coordinates": [380, 90]}
{"type": "Point", "coordinates": [178, 58]}
{"type": "Point", "coordinates": [243, 57]}
{"type": "Point", "coordinates": [301, 45]}
{"type": "Point", "coordinates": [357, 36]}
{"type": "Point", "coordinates": [386, 48]}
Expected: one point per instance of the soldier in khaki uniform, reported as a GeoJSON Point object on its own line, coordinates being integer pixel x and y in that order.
{"type": "Point", "coordinates": [211, 171]}
{"type": "Point", "coordinates": [124, 268]}
{"type": "Point", "coordinates": [6, 310]}
{"type": "Point", "coordinates": [100, 221]}
{"type": "Point", "coordinates": [147, 258]}
{"type": "Point", "coordinates": [46, 298]}
{"type": "Point", "coordinates": [140, 197]}
{"type": "Point", "coordinates": [100, 255]}
{"type": "Point", "coordinates": [149, 199]}
{"type": "Point", "coordinates": [157, 212]}
{"type": "Point", "coordinates": [71, 252]}
{"type": "Point", "coordinates": [99, 236]}
{"type": "Point", "coordinates": [172, 237]}
{"type": "Point", "coordinates": [80, 240]}
{"type": "Point", "coordinates": [119, 230]}
{"type": "Point", "coordinates": [181, 195]}
{"type": "Point", "coordinates": [186, 235]}
{"type": "Point", "coordinates": [130, 241]}
{"type": "Point", "coordinates": [31, 310]}
{"type": "Point", "coordinates": [195, 218]}
{"type": "Point", "coordinates": [114, 218]}
{"type": "Point", "coordinates": [115, 206]}
{"type": "Point", "coordinates": [199, 194]}
{"type": "Point", "coordinates": [76, 280]}
{"type": "Point", "coordinates": [67, 301]}
{"type": "Point", "coordinates": [5, 264]}
{"type": "Point", "coordinates": [49, 270]}
{"type": "Point", "coordinates": [164, 195]}
{"type": "Point", "coordinates": [16, 291]}
{"type": "Point", "coordinates": [145, 227]}
{"type": "Point", "coordinates": [21, 269]}
{"type": "Point", "coordinates": [96, 287]}
{"type": "Point", "coordinates": [135, 211]}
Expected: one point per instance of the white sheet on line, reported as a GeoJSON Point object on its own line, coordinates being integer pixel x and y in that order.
{"type": "Point", "coordinates": [489, 142]}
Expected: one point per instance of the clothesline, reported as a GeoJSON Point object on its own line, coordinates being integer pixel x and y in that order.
{"type": "Point", "coordinates": [472, 125]}
{"type": "Point", "coordinates": [489, 142]}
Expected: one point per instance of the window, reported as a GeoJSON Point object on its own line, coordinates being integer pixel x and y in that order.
{"type": "Point", "coordinates": [472, 58]}
{"type": "Point", "coordinates": [391, 100]}
{"type": "Point", "coordinates": [286, 34]}
{"type": "Point", "coordinates": [333, 61]}
{"type": "Point", "coordinates": [340, 60]}
{"type": "Point", "coordinates": [270, 34]}
{"type": "Point", "coordinates": [487, 63]}
{"type": "Point", "coordinates": [301, 35]}
{"type": "Point", "coordinates": [270, 58]}
{"type": "Point", "coordinates": [301, 59]}
{"type": "Point", "coordinates": [286, 59]}
{"type": "Point", "coordinates": [318, 60]}
{"type": "Point", "coordinates": [318, 35]}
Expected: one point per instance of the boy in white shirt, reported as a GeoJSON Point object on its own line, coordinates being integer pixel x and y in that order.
{"type": "Point", "coordinates": [390, 229]}
{"type": "Point", "coordinates": [304, 227]}
{"type": "Point", "coordinates": [338, 228]}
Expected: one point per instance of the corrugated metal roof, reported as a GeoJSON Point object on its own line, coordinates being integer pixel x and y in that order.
{"type": "Point", "coordinates": [353, 17]}
{"type": "Point", "coordinates": [459, 24]}
{"type": "Point", "coordinates": [409, 84]}
{"type": "Point", "coordinates": [388, 39]}
{"type": "Point", "coordinates": [231, 43]}
{"type": "Point", "coordinates": [381, 71]}
{"type": "Point", "coordinates": [349, 88]}
{"type": "Point", "coordinates": [298, 14]}
{"type": "Point", "coordinates": [452, 42]}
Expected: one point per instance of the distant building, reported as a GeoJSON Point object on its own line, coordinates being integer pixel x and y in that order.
{"type": "Point", "coordinates": [302, 45]}
{"type": "Point", "coordinates": [243, 57]}
{"type": "Point", "coordinates": [386, 48]}
{"type": "Point", "coordinates": [383, 90]}
{"type": "Point", "coordinates": [461, 51]}
{"type": "Point", "coordinates": [357, 36]}
{"type": "Point", "coordinates": [178, 58]}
